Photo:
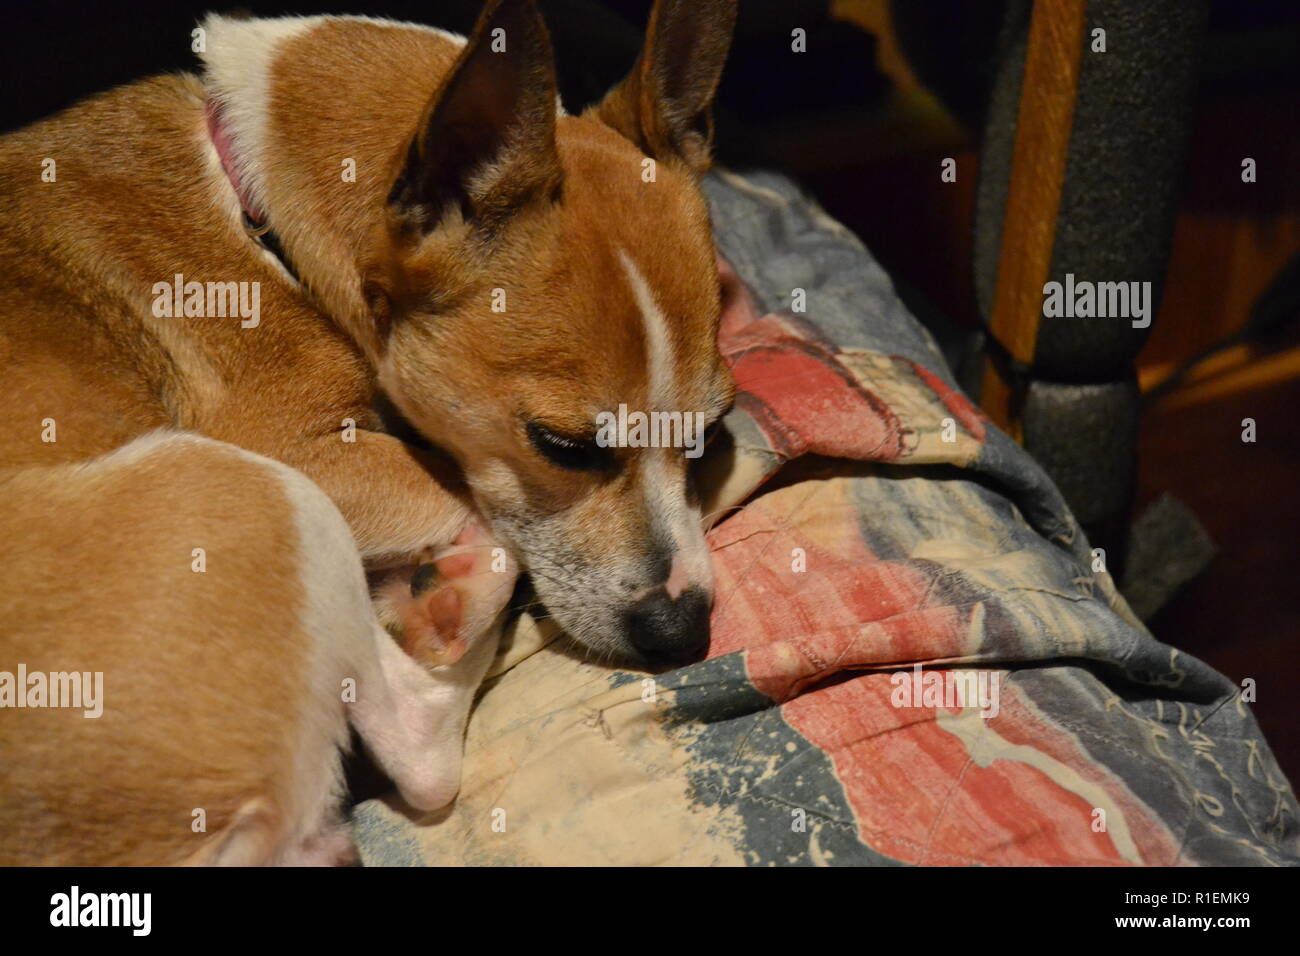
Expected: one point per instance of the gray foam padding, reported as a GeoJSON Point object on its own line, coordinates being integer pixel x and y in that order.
{"type": "Point", "coordinates": [1168, 548]}
{"type": "Point", "coordinates": [1123, 170]}
{"type": "Point", "coordinates": [1085, 437]}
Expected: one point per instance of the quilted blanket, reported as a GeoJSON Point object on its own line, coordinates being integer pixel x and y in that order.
{"type": "Point", "coordinates": [916, 656]}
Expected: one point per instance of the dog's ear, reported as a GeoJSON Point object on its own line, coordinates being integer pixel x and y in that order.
{"type": "Point", "coordinates": [664, 103]}
{"type": "Point", "coordinates": [486, 142]}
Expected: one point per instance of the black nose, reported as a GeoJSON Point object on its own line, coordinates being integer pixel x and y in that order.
{"type": "Point", "coordinates": [669, 632]}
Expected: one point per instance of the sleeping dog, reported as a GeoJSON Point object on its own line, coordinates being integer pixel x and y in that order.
{"type": "Point", "coordinates": [208, 285]}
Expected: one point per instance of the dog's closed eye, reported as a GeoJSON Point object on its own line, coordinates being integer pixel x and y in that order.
{"type": "Point", "coordinates": [574, 453]}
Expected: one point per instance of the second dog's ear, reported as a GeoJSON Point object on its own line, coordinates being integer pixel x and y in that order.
{"type": "Point", "coordinates": [664, 104]}
{"type": "Point", "coordinates": [486, 142]}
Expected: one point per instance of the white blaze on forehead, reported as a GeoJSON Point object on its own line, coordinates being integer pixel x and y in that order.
{"type": "Point", "coordinates": [658, 342]}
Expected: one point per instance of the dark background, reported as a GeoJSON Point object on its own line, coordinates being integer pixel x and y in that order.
{"type": "Point", "coordinates": [56, 52]}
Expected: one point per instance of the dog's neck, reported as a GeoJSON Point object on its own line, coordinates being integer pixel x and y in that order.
{"type": "Point", "coordinates": [287, 167]}
{"type": "Point", "coordinates": [219, 133]}
{"type": "Point", "coordinates": [239, 58]}
{"type": "Point", "coordinates": [256, 222]}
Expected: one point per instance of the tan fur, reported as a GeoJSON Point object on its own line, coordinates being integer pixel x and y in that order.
{"type": "Point", "coordinates": [206, 671]}
{"type": "Point", "coordinates": [82, 347]}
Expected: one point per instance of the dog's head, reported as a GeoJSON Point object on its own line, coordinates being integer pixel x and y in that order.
{"type": "Point", "coordinates": [557, 268]}
{"type": "Point", "coordinates": [531, 273]}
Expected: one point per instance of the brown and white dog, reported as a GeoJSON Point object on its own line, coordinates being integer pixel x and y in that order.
{"type": "Point", "coordinates": [446, 240]}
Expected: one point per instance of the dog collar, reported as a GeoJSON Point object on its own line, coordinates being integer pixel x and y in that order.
{"type": "Point", "coordinates": [256, 222]}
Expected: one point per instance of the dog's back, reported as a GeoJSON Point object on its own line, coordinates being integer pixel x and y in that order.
{"type": "Point", "coordinates": [92, 200]}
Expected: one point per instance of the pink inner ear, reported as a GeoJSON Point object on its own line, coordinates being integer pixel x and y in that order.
{"type": "Point", "coordinates": [738, 309]}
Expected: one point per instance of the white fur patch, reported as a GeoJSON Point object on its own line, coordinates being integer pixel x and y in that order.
{"type": "Point", "coordinates": [337, 615]}
{"type": "Point", "coordinates": [659, 346]}
{"type": "Point", "coordinates": [665, 494]}
{"type": "Point", "coordinates": [139, 448]}
{"type": "Point", "coordinates": [413, 720]}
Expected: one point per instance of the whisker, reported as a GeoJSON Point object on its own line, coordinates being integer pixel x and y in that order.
{"type": "Point", "coordinates": [719, 513]}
